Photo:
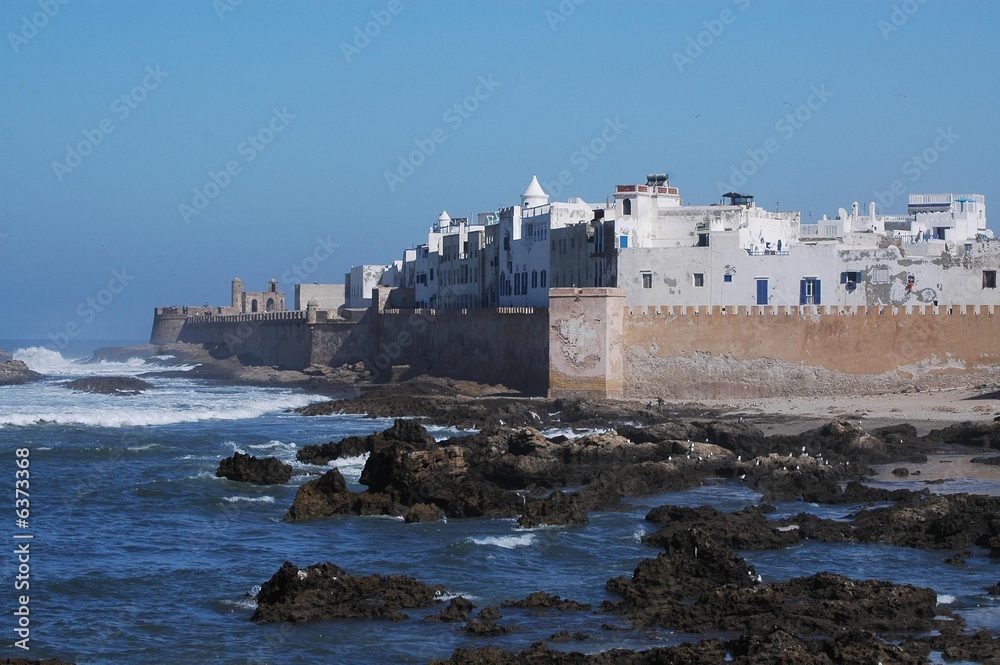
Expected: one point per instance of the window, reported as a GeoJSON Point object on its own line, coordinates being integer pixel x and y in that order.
{"type": "Point", "coordinates": [623, 242]}
{"type": "Point", "coordinates": [702, 240]}
{"type": "Point", "coordinates": [850, 280]}
{"type": "Point", "coordinates": [989, 279]}
{"type": "Point", "coordinates": [727, 278]}
{"type": "Point", "coordinates": [627, 206]}
{"type": "Point", "coordinates": [809, 291]}
{"type": "Point", "coordinates": [534, 279]}
{"type": "Point", "coordinates": [880, 275]}
{"type": "Point", "coordinates": [699, 279]}
{"type": "Point", "coordinates": [543, 279]}
{"type": "Point", "coordinates": [647, 280]}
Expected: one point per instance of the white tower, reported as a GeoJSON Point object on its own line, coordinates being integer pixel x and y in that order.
{"type": "Point", "coordinates": [534, 195]}
{"type": "Point", "coordinates": [444, 221]}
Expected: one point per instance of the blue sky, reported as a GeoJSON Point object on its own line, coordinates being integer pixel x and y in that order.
{"type": "Point", "coordinates": [309, 118]}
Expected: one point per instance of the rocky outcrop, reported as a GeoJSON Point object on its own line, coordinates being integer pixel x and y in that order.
{"type": "Point", "coordinates": [324, 592]}
{"type": "Point", "coordinates": [542, 600]}
{"type": "Point", "coordinates": [328, 495]}
{"type": "Point", "coordinates": [352, 446]}
{"type": "Point", "coordinates": [557, 508]}
{"type": "Point", "coordinates": [934, 521]}
{"type": "Point", "coordinates": [110, 385]}
{"type": "Point", "coordinates": [15, 372]}
{"type": "Point", "coordinates": [249, 469]}
{"type": "Point", "coordinates": [696, 585]}
{"type": "Point", "coordinates": [458, 610]}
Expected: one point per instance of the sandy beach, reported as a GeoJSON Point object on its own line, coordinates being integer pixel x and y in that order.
{"type": "Point", "coordinates": [924, 410]}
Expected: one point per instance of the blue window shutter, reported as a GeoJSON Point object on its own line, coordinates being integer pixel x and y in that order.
{"type": "Point", "coordinates": [816, 293]}
{"type": "Point", "coordinates": [624, 242]}
{"type": "Point", "coordinates": [802, 292]}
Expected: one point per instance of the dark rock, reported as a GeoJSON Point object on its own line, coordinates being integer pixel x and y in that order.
{"type": "Point", "coordinates": [540, 599]}
{"type": "Point", "coordinates": [458, 610]}
{"type": "Point", "coordinates": [747, 529]}
{"type": "Point", "coordinates": [978, 435]}
{"type": "Point", "coordinates": [979, 647]}
{"type": "Point", "coordinates": [958, 559]}
{"type": "Point", "coordinates": [324, 591]}
{"type": "Point", "coordinates": [423, 512]}
{"type": "Point", "coordinates": [32, 661]}
{"type": "Point", "coordinates": [110, 385]}
{"type": "Point", "coordinates": [328, 495]}
{"type": "Point", "coordinates": [705, 652]}
{"type": "Point", "coordinates": [352, 446]}
{"type": "Point", "coordinates": [489, 613]}
{"type": "Point", "coordinates": [994, 590]}
{"type": "Point", "coordinates": [901, 471]}
{"type": "Point", "coordinates": [929, 521]}
{"type": "Point", "coordinates": [993, 460]}
{"type": "Point", "coordinates": [248, 469]}
{"type": "Point", "coordinates": [487, 628]}
{"type": "Point", "coordinates": [557, 508]}
{"type": "Point", "coordinates": [564, 636]}
{"type": "Point", "coordinates": [15, 373]}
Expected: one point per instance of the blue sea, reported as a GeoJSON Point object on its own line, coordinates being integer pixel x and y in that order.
{"type": "Point", "coordinates": [139, 554]}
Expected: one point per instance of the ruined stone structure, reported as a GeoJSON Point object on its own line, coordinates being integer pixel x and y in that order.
{"type": "Point", "coordinates": [251, 302]}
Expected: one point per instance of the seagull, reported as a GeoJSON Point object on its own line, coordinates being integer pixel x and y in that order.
{"type": "Point", "coordinates": [899, 94]}
{"type": "Point", "coordinates": [739, 458]}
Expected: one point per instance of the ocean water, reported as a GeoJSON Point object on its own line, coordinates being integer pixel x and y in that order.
{"type": "Point", "coordinates": [139, 554]}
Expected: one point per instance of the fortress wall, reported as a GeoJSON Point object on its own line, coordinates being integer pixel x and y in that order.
{"type": "Point", "coordinates": [281, 342]}
{"type": "Point", "coordinates": [760, 351]}
{"type": "Point", "coordinates": [508, 346]}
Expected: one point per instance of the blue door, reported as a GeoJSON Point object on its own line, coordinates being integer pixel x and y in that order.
{"type": "Point", "coordinates": [761, 291]}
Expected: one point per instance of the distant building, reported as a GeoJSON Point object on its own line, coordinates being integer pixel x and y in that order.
{"type": "Point", "coordinates": [251, 302]}
{"type": "Point", "coordinates": [662, 252]}
{"type": "Point", "coordinates": [330, 297]}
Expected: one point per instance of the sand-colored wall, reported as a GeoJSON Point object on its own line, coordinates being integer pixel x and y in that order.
{"type": "Point", "coordinates": [585, 342]}
{"type": "Point", "coordinates": [723, 352]}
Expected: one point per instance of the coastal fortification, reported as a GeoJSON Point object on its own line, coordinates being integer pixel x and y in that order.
{"type": "Point", "coordinates": [589, 343]}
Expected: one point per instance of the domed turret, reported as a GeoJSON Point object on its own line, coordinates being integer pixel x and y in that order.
{"type": "Point", "coordinates": [444, 220]}
{"type": "Point", "coordinates": [534, 196]}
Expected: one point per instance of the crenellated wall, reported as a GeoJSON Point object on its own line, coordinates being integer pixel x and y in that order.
{"type": "Point", "coordinates": [589, 344]}
{"type": "Point", "coordinates": [760, 351]}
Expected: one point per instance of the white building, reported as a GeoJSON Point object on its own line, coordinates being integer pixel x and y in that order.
{"type": "Point", "coordinates": [662, 252]}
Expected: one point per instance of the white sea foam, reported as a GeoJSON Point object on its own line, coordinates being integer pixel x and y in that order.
{"type": "Point", "coordinates": [350, 467]}
{"type": "Point", "coordinates": [249, 499]}
{"type": "Point", "coordinates": [147, 446]}
{"type": "Point", "coordinates": [945, 599]}
{"type": "Point", "coordinates": [506, 542]}
{"type": "Point", "coordinates": [275, 445]}
{"type": "Point", "coordinates": [52, 363]}
{"type": "Point", "coordinates": [42, 403]}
